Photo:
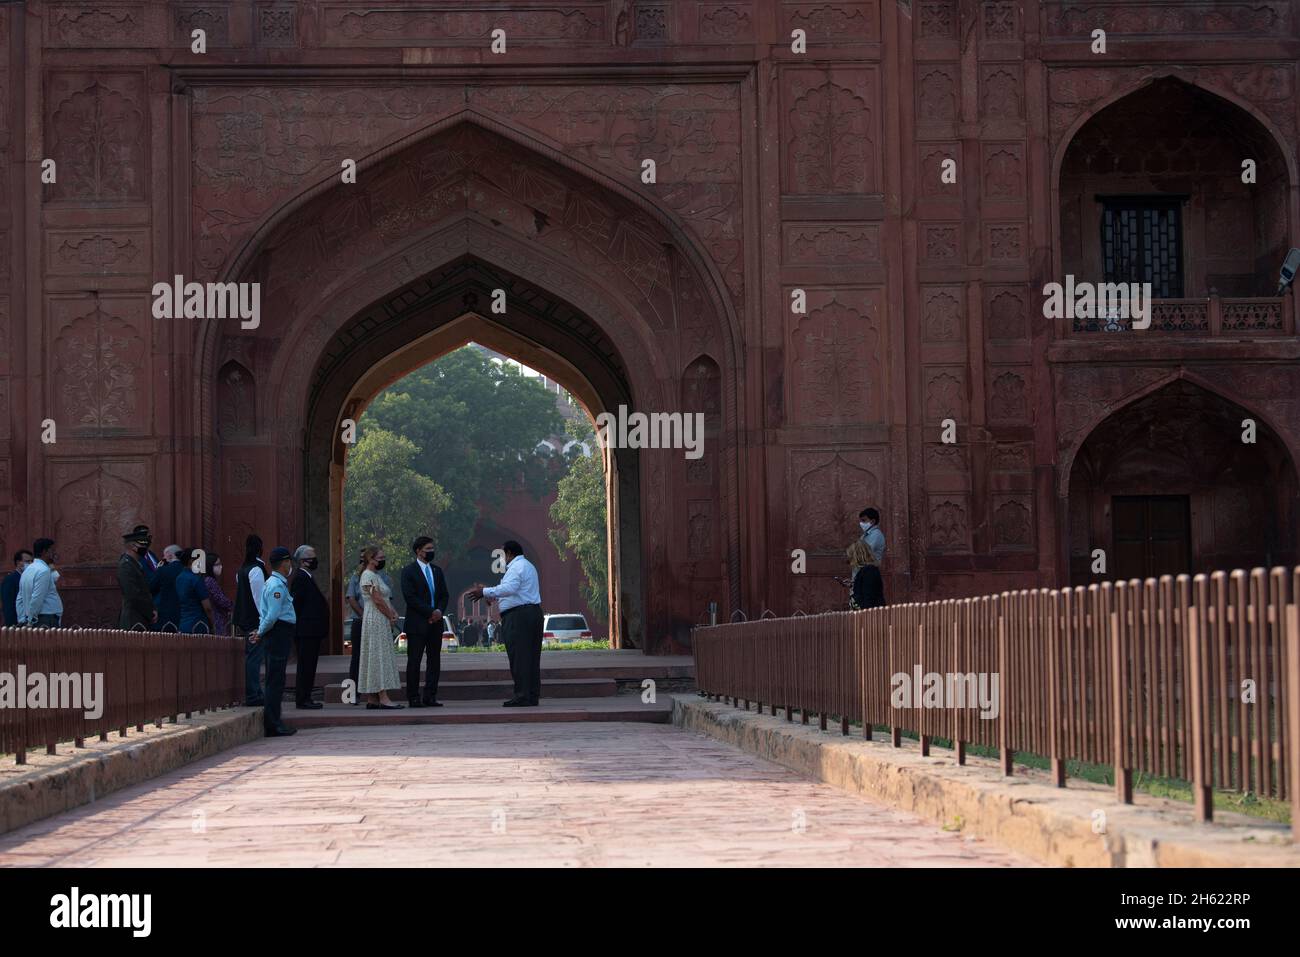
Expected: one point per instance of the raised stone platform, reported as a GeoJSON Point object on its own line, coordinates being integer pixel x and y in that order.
{"type": "Point", "coordinates": [485, 676]}
{"type": "Point", "coordinates": [608, 708]}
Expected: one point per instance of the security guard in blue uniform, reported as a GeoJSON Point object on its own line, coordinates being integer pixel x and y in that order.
{"type": "Point", "coordinates": [275, 628]}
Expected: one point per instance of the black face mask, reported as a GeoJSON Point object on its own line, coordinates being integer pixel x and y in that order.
{"type": "Point", "coordinates": [427, 557]}
{"type": "Point", "coordinates": [310, 563]}
{"type": "Point", "coordinates": [141, 547]}
{"type": "Point", "coordinates": [380, 564]}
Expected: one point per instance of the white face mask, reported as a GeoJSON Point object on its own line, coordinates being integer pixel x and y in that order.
{"type": "Point", "coordinates": [864, 525]}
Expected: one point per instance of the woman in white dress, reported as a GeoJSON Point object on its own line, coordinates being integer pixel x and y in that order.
{"type": "Point", "coordinates": [378, 665]}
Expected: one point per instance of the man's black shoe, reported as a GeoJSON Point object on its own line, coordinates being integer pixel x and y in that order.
{"type": "Point", "coordinates": [310, 706]}
{"type": "Point", "coordinates": [413, 703]}
{"type": "Point", "coordinates": [432, 703]}
{"type": "Point", "coordinates": [281, 732]}
{"type": "Point", "coordinates": [515, 703]}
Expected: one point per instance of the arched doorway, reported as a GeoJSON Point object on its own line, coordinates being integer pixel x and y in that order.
{"type": "Point", "coordinates": [1168, 484]}
{"type": "Point", "coordinates": [1153, 188]}
{"type": "Point", "coordinates": [347, 382]}
{"type": "Point", "coordinates": [363, 282]}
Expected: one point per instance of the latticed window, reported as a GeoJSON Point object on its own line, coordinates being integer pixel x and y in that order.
{"type": "Point", "coordinates": [1142, 241]}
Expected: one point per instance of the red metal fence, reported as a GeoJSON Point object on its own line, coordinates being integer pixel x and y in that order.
{"type": "Point", "coordinates": [146, 677]}
{"type": "Point", "coordinates": [1191, 678]}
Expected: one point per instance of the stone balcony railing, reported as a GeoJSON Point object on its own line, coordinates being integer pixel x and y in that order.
{"type": "Point", "coordinates": [1212, 316]}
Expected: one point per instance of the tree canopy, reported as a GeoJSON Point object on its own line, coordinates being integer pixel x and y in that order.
{"type": "Point", "coordinates": [476, 424]}
{"type": "Point", "coordinates": [386, 500]}
{"type": "Point", "coordinates": [579, 515]}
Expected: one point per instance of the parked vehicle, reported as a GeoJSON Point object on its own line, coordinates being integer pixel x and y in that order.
{"type": "Point", "coordinates": [564, 629]}
{"type": "Point", "coordinates": [449, 640]}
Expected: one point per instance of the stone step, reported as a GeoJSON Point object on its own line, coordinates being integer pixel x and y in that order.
{"type": "Point", "coordinates": [620, 708]}
{"type": "Point", "coordinates": [499, 689]}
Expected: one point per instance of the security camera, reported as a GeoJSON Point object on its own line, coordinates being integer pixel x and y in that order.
{"type": "Point", "coordinates": [1289, 269]}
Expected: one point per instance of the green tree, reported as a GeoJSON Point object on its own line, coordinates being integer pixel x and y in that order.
{"type": "Point", "coordinates": [579, 516]}
{"type": "Point", "coordinates": [386, 501]}
{"type": "Point", "coordinates": [477, 424]}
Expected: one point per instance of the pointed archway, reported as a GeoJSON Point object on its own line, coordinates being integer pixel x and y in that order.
{"type": "Point", "coordinates": [359, 281]}
{"type": "Point", "coordinates": [1181, 480]}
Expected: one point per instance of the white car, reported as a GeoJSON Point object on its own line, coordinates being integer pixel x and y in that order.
{"type": "Point", "coordinates": [449, 642]}
{"type": "Point", "coordinates": [564, 630]}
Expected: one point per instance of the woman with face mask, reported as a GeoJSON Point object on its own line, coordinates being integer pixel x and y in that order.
{"type": "Point", "coordinates": [221, 605]}
{"type": "Point", "coordinates": [378, 666]}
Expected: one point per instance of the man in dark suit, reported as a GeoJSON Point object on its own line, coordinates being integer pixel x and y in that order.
{"type": "Point", "coordinates": [9, 588]}
{"type": "Point", "coordinates": [425, 592]}
{"type": "Point", "coordinates": [137, 603]}
{"type": "Point", "coordinates": [313, 613]}
{"type": "Point", "coordinates": [163, 586]}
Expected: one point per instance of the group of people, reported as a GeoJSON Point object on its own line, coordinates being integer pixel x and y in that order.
{"type": "Point", "coordinates": [373, 626]}
{"type": "Point", "coordinates": [180, 593]}
{"type": "Point", "coordinates": [866, 585]}
{"type": "Point", "coordinates": [30, 593]}
{"type": "Point", "coordinates": [278, 605]}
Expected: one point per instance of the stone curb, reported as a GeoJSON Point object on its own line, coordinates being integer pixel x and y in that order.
{"type": "Point", "coordinates": [51, 785]}
{"type": "Point", "coordinates": [1023, 813]}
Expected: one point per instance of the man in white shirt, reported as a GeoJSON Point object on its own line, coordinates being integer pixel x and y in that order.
{"type": "Point", "coordinates": [519, 599]}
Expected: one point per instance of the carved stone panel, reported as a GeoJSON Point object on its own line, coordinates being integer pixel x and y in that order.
{"type": "Point", "coordinates": [831, 244]}
{"type": "Point", "coordinates": [725, 23]}
{"type": "Point", "coordinates": [948, 523]}
{"type": "Point", "coordinates": [108, 252]}
{"type": "Point", "coordinates": [93, 502]}
{"type": "Point", "coordinates": [830, 124]}
{"type": "Point", "coordinates": [944, 394]}
{"type": "Point", "coordinates": [936, 19]}
{"type": "Point", "coordinates": [1009, 395]}
{"type": "Point", "coordinates": [828, 488]}
{"type": "Point", "coordinates": [97, 131]}
{"type": "Point", "coordinates": [943, 313]}
{"type": "Point", "coordinates": [842, 22]}
{"type": "Point", "coordinates": [1001, 92]}
{"type": "Point", "coordinates": [460, 24]}
{"type": "Point", "coordinates": [1006, 312]}
{"type": "Point", "coordinates": [99, 364]}
{"type": "Point", "coordinates": [936, 92]}
{"type": "Point", "coordinates": [837, 348]}
{"type": "Point", "coordinates": [1013, 522]}
{"type": "Point", "coordinates": [1004, 171]}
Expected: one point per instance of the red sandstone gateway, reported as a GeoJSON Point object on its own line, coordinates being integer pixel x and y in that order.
{"type": "Point", "coordinates": [1084, 449]}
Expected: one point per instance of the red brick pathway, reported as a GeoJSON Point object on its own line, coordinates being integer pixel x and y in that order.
{"type": "Point", "coordinates": [489, 795]}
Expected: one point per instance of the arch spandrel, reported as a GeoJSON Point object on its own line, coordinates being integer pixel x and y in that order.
{"type": "Point", "coordinates": [348, 258]}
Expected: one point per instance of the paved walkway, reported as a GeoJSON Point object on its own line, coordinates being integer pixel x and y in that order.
{"type": "Point", "coordinates": [489, 795]}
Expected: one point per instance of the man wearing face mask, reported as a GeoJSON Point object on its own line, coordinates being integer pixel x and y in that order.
{"type": "Point", "coordinates": [313, 625]}
{"type": "Point", "coordinates": [138, 610]}
{"type": "Point", "coordinates": [872, 536]}
{"type": "Point", "coordinates": [425, 592]}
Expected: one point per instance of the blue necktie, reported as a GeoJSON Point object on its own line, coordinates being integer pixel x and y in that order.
{"type": "Point", "coordinates": [428, 576]}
